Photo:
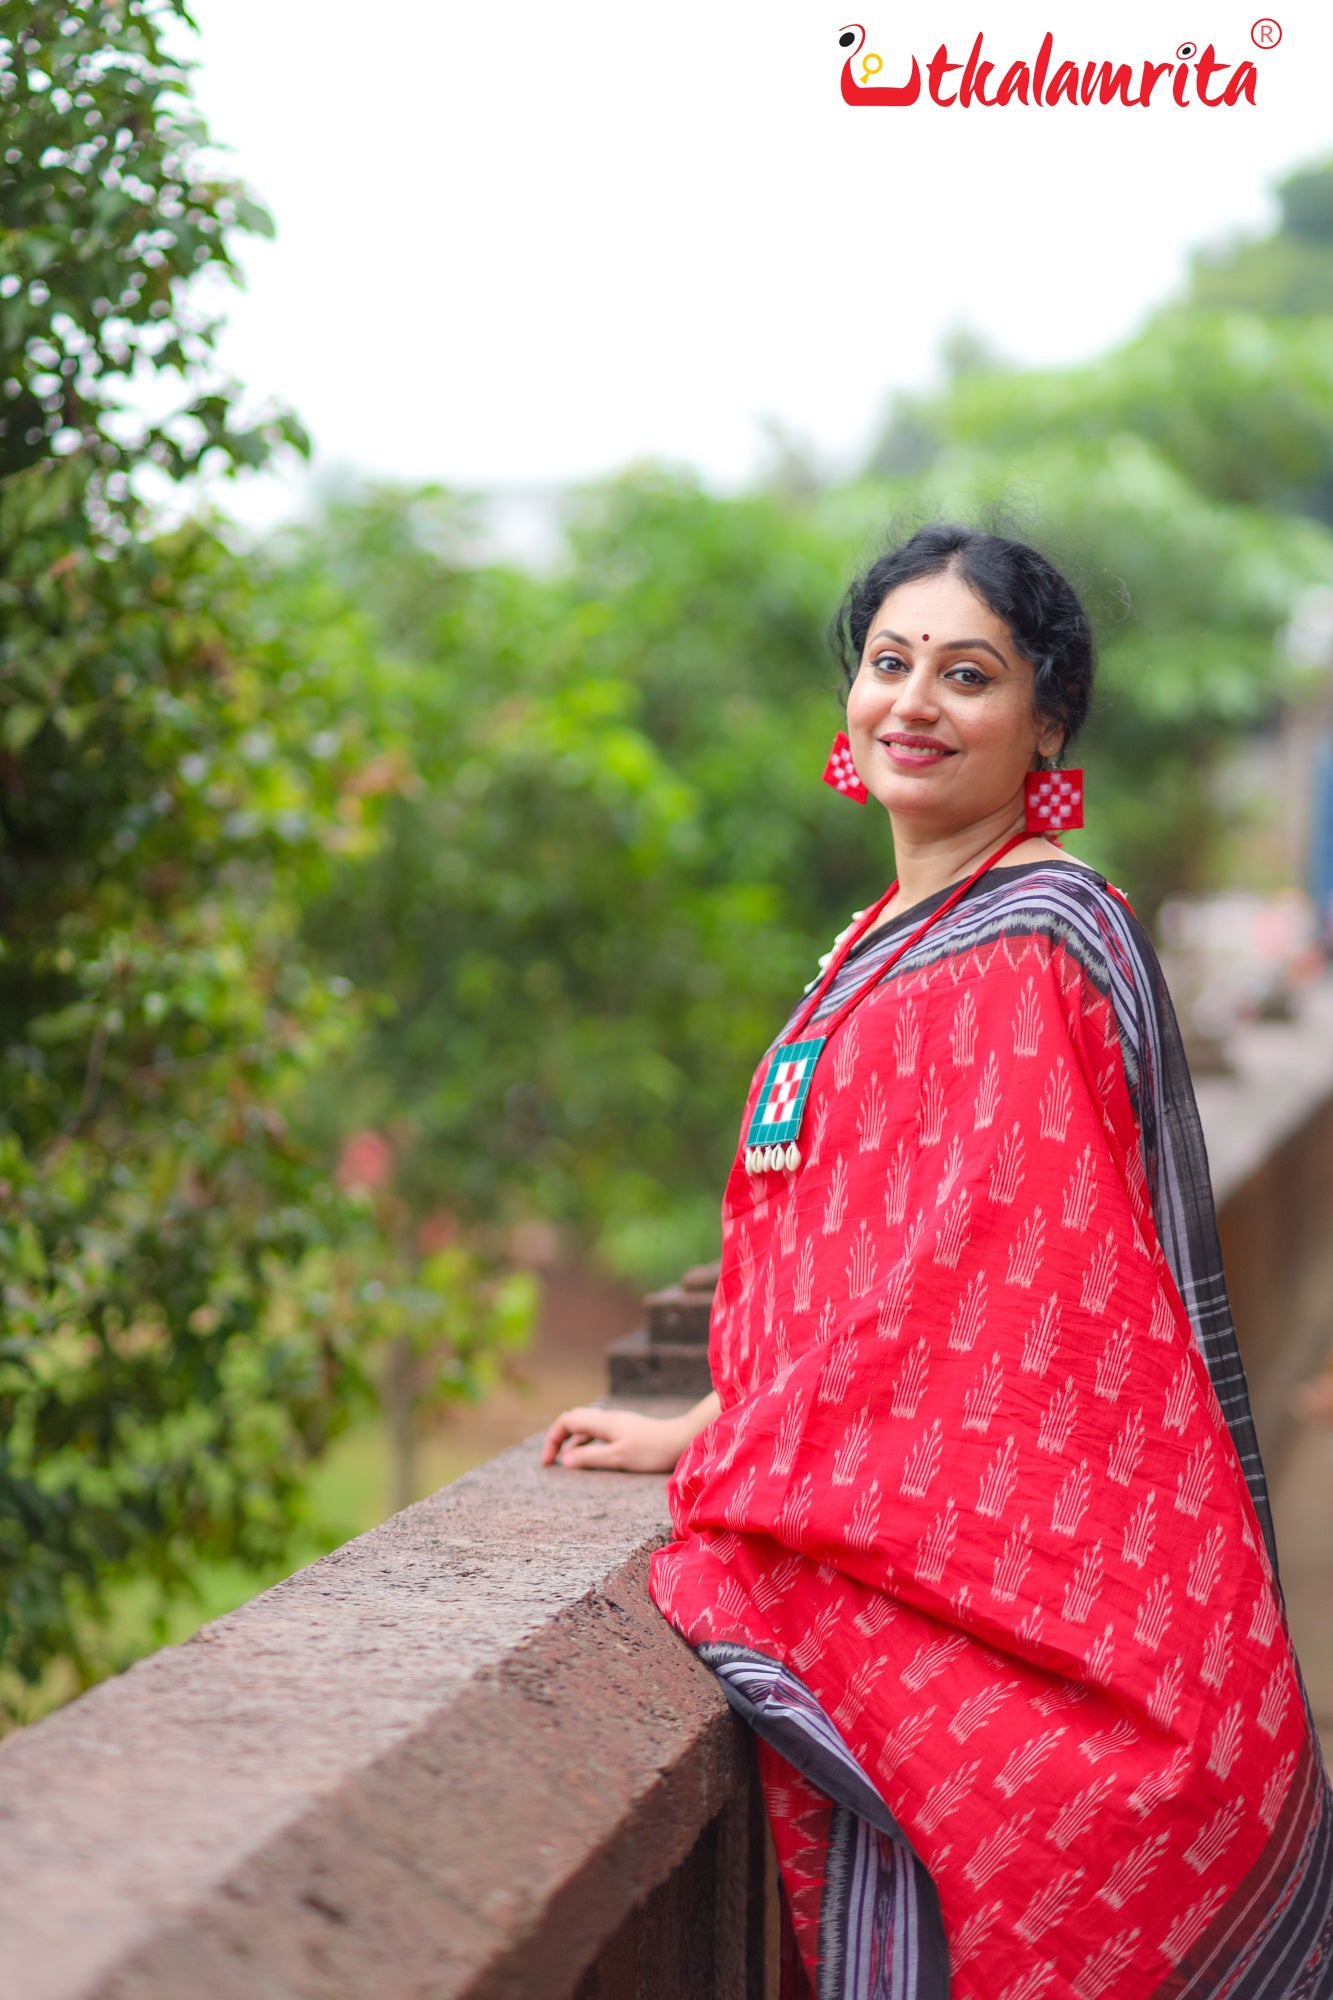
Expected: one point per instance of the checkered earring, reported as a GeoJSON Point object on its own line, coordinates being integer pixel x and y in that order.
{"type": "Point", "coordinates": [1053, 801]}
{"type": "Point", "coordinates": [840, 771]}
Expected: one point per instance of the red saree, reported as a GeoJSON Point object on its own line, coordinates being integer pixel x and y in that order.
{"type": "Point", "coordinates": [979, 1542]}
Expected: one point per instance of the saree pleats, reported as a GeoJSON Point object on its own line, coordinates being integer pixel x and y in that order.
{"type": "Point", "coordinates": [980, 1543]}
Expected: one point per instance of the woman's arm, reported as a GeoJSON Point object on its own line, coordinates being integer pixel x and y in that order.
{"type": "Point", "coordinates": [621, 1441]}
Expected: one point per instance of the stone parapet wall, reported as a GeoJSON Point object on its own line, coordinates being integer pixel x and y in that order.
{"type": "Point", "coordinates": [450, 1759]}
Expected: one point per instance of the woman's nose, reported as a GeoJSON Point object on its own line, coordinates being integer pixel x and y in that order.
{"type": "Point", "coordinates": [915, 695]}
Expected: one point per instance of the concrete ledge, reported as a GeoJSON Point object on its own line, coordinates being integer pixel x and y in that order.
{"type": "Point", "coordinates": [1269, 1130]}
{"type": "Point", "coordinates": [1283, 1078]}
{"type": "Point", "coordinates": [446, 1760]}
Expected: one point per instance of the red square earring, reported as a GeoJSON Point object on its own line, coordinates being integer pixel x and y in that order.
{"type": "Point", "coordinates": [1053, 801]}
{"type": "Point", "coordinates": [841, 773]}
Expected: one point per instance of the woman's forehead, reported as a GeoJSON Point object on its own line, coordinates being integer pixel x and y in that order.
{"type": "Point", "coordinates": [940, 608]}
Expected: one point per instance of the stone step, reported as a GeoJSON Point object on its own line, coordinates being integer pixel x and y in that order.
{"type": "Point", "coordinates": [679, 1314]}
{"type": "Point", "coordinates": [640, 1366]}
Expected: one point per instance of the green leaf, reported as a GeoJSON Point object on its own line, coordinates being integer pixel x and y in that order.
{"type": "Point", "coordinates": [22, 720]}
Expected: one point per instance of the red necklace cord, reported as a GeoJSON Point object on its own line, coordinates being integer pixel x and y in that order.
{"type": "Point", "coordinates": [849, 943]}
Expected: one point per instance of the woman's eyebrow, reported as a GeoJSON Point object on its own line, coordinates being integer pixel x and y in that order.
{"type": "Point", "coordinates": [973, 646]}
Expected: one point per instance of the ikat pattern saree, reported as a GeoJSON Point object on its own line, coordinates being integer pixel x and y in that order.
{"type": "Point", "coordinates": [980, 1543]}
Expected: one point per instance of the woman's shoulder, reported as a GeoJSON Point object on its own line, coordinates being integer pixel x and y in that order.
{"type": "Point", "coordinates": [1077, 908]}
{"type": "Point", "coordinates": [1055, 897]}
{"type": "Point", "coordinates": [1057, 884]}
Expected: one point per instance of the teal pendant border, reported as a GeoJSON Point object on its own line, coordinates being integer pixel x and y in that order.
{"type": "Point", "coordinates": [779, 1133]}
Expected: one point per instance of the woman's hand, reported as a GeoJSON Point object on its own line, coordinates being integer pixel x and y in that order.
{"type": "Point", "coordinates": [614, 1441]}
{"type": "Point", "coordinates": [623, 1441]}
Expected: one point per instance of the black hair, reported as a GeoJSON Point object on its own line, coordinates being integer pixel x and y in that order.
{"type": "Point", "coordinates": [1039, 605]}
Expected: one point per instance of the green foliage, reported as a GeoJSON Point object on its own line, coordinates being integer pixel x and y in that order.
{"type": "Point", "coordinates": [613, 863]}
{"type": "Point", "coordinates": [1234, 385]}
{"type": "Point", "coordinates": [161, 815]}
{"type": "Point", "coordinates": [1241, 406]}
{"type": "Point", "coordinates": [106, 217]}
{"type": "Point", "coordinates": [174, 785]}
{"type": "Point", "coordinates": [1287, 273]}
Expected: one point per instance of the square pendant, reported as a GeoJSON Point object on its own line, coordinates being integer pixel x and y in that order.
{"type": "Point", "coordinates": [781, 1106]}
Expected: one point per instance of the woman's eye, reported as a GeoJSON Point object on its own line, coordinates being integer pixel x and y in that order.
{"type": "Point", "coordinates": [889, 663]}
{"type": "Point", "coordinates": [971, 677]}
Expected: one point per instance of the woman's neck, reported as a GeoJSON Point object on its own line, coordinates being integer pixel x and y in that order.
{"type": "Point", "coordinates": [929, 860]}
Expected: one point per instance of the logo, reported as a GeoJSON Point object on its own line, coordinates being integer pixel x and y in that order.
{"type": "Point", "coordinates": [1193, 76]}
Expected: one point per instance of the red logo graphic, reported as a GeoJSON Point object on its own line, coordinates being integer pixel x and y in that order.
{"type": "Point", "coordinates": [857, 93]}
{"type": "Point", "coordinates": [1044, 82]}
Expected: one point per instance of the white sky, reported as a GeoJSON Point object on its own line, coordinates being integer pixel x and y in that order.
{"type": "Point", "coordinates": [529, 243]}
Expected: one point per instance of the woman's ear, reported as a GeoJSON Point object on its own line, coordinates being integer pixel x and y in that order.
{"type": "Point", "coordinates": [1051, 739]}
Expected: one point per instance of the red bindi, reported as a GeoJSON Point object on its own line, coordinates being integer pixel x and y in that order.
{"type": "Point", "coordinates": [924, 637]}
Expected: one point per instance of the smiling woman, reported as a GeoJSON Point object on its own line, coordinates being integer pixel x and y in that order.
{"type": "Point", "coordinates": [944, 729]}
{"type": "Point", "coordinates": [973, 1528]}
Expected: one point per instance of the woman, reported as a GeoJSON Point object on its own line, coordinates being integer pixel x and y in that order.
{"type": "Point", "coordinates": [973, 1528]}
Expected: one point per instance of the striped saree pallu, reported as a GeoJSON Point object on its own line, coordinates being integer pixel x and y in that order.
{"type": "Point", "coordinates": [979, 1543]}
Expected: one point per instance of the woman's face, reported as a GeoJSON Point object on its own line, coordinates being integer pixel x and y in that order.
{"type": "Point", "coordinates": [940, 715]}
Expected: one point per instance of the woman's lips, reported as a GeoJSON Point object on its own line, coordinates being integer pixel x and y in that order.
{"type": "Point", "coordinates": [915, 753]}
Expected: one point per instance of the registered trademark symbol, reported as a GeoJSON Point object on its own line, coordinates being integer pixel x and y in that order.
{"type": "Point", "coordinates": [1266, 33]}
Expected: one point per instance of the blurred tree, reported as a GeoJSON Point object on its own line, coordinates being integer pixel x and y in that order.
{"type": "Point", "coordinates": [1241, 406]}
{"type": "Point", "coordinates": [620, 862]}
{"type": "Point", "coordinates": [1290, 271]}
{"type": "Point", "coordinates": [173, 785]}
{"type": "Point", "coordinates": [908, 440]}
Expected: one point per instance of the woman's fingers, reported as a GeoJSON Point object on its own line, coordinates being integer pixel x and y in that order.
{"type": "Point", "coordinates": [623, 1440]}
{"type": "Point", "coordinates": [579, 1424]}
{"type": "Point", "coordinates": [556, 1436]}
{"type": "Point", "coordinates": [593, 1457]}
{"type": "Point", "coordinates": [611, 1441]}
